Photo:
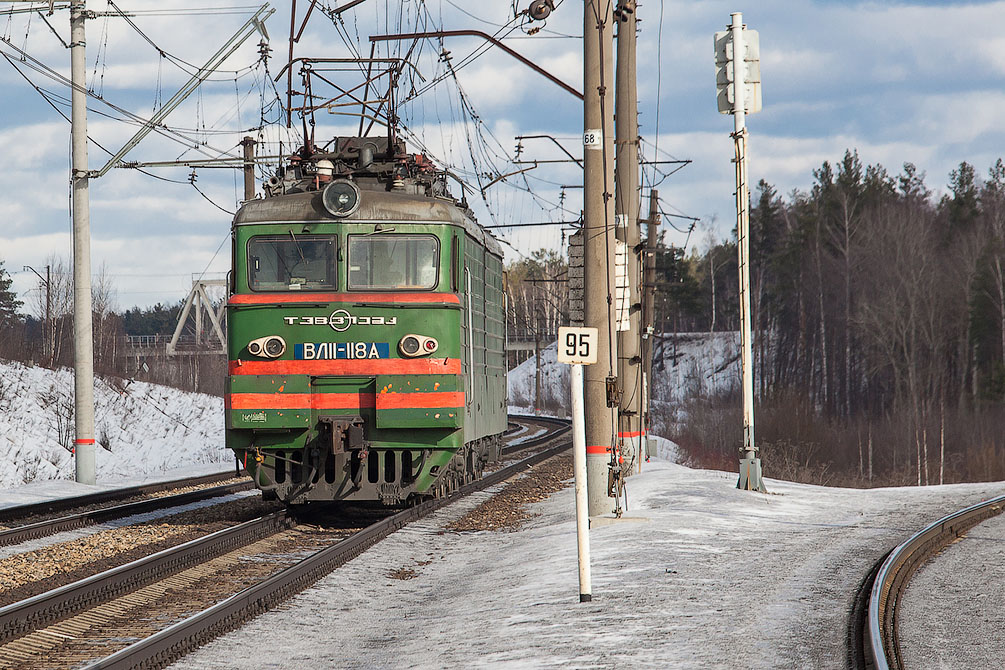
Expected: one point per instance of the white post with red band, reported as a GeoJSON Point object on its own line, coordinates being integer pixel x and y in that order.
{"type": "Point", "coordinates": [578, 347]}
{"type": "Point", "coordinates": [582, 504]}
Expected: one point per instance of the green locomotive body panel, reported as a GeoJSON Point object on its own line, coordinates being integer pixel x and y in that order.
{"type": "Point", "coordinates": [341, 409]}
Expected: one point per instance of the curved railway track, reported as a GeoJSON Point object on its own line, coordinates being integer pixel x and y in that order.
{"type": "Point", "coordinates": [873, 634]}
{"type": "Point", "coordinates": [77, 619]}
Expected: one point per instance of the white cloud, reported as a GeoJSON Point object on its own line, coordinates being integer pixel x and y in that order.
{"type": "Point", "coordinates": [899, 83]}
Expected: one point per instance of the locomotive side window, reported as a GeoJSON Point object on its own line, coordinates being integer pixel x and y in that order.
{"type": "Point", "coordinates": [388, 262]}
{"type": "Point", "coordinates": [291, 262]}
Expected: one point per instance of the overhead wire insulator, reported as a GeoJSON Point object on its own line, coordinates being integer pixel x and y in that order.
{"type": "Point", "coordinates": [539, 10]}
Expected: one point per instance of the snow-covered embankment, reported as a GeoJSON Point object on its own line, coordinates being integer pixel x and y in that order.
{"type": "Point", "coordinates": [142, 429]}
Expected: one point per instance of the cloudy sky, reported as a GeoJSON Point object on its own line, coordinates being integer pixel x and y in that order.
{"type": "Point", "coordinates": [898, 81]}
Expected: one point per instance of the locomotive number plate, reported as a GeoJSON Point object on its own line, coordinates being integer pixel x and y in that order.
{"type": "Point", "coordinates": [320, 351]}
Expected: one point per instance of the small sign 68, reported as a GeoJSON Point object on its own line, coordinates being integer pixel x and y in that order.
{"type": "Point", "coordinates": [577, 345]}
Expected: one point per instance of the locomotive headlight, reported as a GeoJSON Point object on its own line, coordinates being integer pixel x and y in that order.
{"type": "Point", "coordinates": [340, 197]}
{"type": "Point", "coordinates": [271, 346]}
{"type": "Point", "coordinates": [274, 347]}
{"type": "Point", "coordinates": [410, 345]}
{"type": "Point", "coordinates": [417, 345]}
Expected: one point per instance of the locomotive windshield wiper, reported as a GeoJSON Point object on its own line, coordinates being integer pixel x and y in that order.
{"type": "Point", "coordinates": [378, 231]}
{"type": "Point", "coordinates": [299, 250]}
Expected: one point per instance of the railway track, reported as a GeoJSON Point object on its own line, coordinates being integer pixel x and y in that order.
{"type": "Point", "coordinates": [17, 513]}
{"type": "Point", "coordinates": [553, 428]}
{"type": "Point", "coordinates": [48, 527]}
{"type": "Point", "coordinates": [228, 577]}
{"type": "Point", "coordinates": [873, 633]}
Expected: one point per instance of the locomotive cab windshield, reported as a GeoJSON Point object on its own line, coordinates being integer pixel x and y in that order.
{"type": "Point", "coordinates": [291, 263]}
{"type": "Point", "coordinates": [393, 262]}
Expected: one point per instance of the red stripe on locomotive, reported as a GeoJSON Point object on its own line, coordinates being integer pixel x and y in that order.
{"type": "Point", "coordinates": [345, 400]}
{"type": "Point", "coordinates": [276, 299]}
{"type": "Point", "coordinates": [364, 367]}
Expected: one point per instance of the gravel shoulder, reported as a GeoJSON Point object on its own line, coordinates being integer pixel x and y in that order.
{"type": "Point", "coordinates": [27, 573]}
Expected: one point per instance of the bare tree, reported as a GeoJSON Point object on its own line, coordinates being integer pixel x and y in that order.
{"type": "Point", "coordinates": [106, 323]}
{"type": "Point", "coordinates": [911, 312]}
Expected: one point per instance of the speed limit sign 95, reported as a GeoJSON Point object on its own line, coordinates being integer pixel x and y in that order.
{"type": "Point", "coordinates": [577, 345]}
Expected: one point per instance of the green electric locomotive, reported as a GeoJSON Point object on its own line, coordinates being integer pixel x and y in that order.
{"type": "Point", "coordinates": [365, 331]}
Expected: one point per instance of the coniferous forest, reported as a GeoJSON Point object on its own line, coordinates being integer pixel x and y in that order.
{"type": "Point", "coordinates": [879, 327]}
{"type": "Point", "coordinates": [879, 318]}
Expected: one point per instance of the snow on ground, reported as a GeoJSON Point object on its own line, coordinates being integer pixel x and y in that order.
{"type": "Point", "coordinates": [554, 382]}
{"type": "Point", "coordinates": [707, 577]}
{"type": "Point", "coordinates": [145, 431]}
{"type": "Point", "coordinates": [693, 365]}
{"type": "Point", "coordinates": [696, 364]}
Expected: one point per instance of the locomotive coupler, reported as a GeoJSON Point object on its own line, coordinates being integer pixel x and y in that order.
{"type": "Point", "coordinates": [345, 432]}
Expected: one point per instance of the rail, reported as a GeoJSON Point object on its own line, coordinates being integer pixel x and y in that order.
{"type": "Point", "coordinates": [895, 571]}
{"type": "Point", "coordinates": [21, 617]}
{"type": "Point", "coordinates": [90, 517]}
{"type": "Point", "coordinates": [15, 512]}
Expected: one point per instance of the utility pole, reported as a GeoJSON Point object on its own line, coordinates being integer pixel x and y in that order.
{"type": "Point", "coordinates": [649, 299]}
{"type": "Point", "coordinates": [537, 372]}
{"type": "Point", "coordinates": [249, 167]}
{"type": "Point", "coordinates": [738, 74]}
{"type": "Point", "coordinates": [49, 339]}
{"type": "Point", "coordinates": [631, 432]}
{"type": "Point", "coordinates": [83, 348]}
{"type": "Point", "coordinates": [46, 325]}
{"type": "Point", "coordinates": [598, 249]}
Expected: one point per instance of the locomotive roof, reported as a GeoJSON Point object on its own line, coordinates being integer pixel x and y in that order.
{"type": "Point", "coordinates": [375, 207]}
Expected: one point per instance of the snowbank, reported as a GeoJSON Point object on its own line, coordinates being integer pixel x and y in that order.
{"type": "Point", "coordinates": [142, 429]}
{"type": "Point", "coordinates": [687, 365]}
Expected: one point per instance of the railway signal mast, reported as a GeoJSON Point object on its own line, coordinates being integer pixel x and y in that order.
{"type": "Point", "coordinates": [738, 84]}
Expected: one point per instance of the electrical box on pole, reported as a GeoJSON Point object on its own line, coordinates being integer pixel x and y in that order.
{"type": "Point", "coordinates": [751, 70]}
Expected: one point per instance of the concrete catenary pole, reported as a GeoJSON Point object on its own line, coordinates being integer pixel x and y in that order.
{"type": "Point", "coordinates": [631, 432]}
{"type": "Point", "coordinates": [750, 466]}
{"type": "Point", "coordinates": [83, 349]}
{"type": "Point", "coordinates": [649, 300]}
{"type": "Point", "coordinates": [249, 167]}
{"type": "Point", "coordinates": [599, 245]}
